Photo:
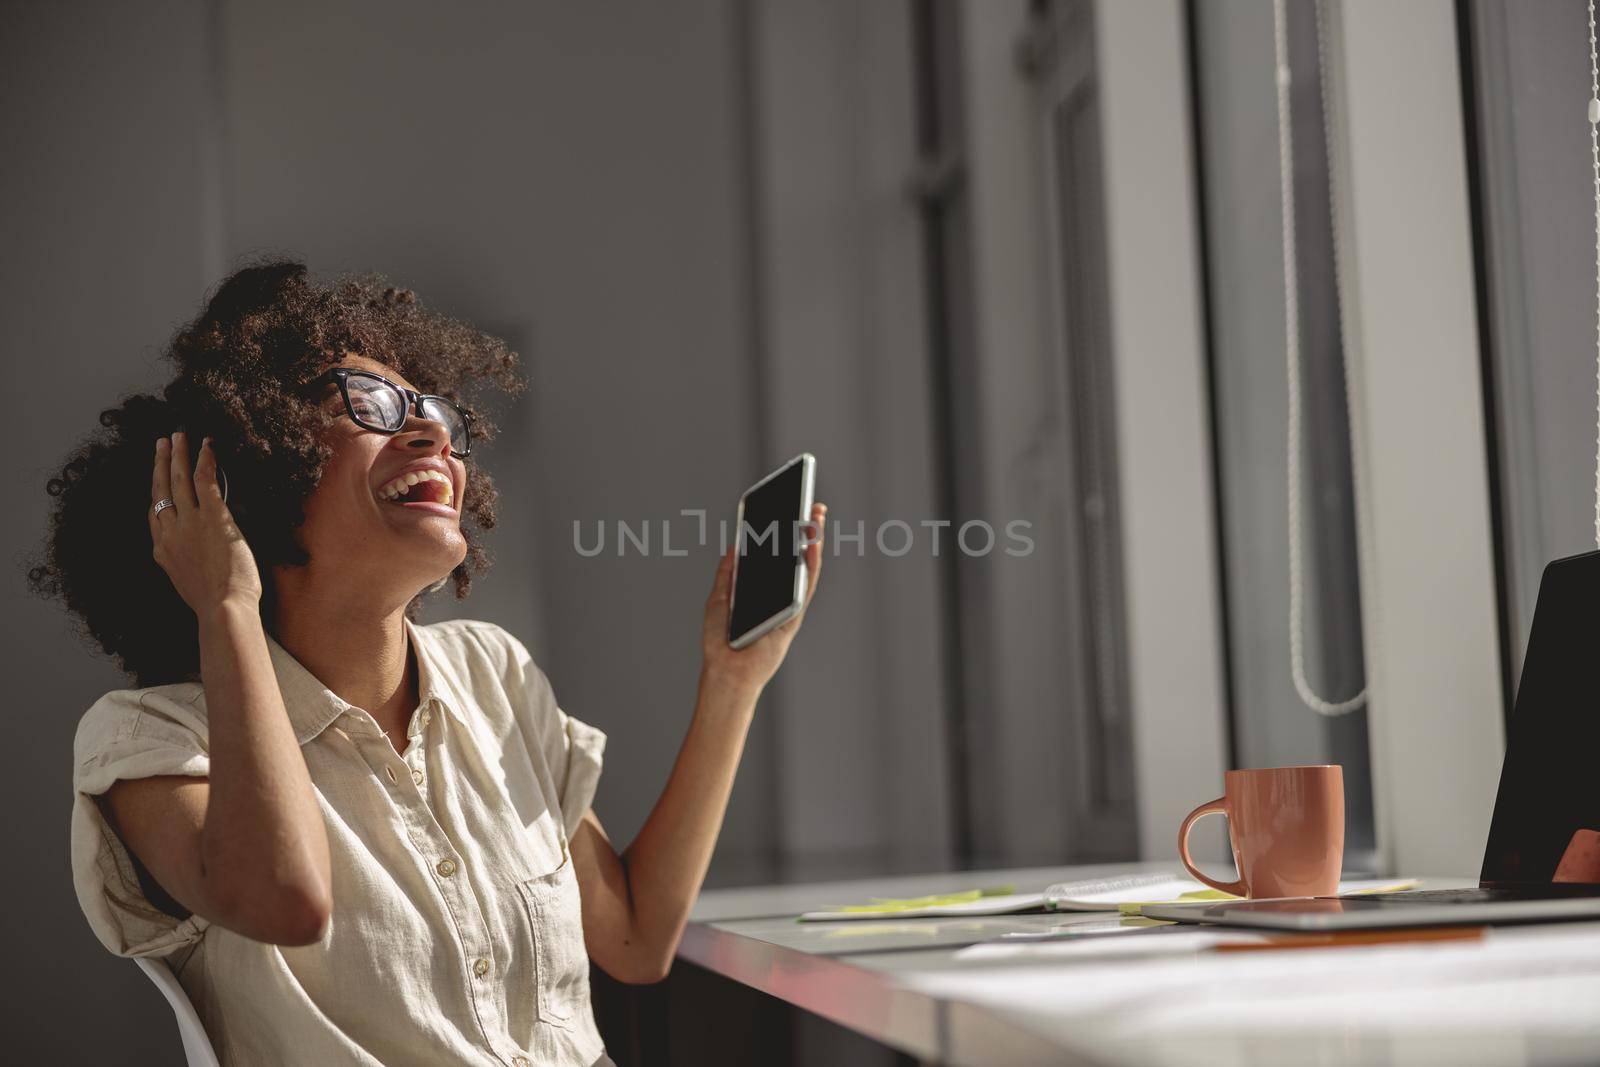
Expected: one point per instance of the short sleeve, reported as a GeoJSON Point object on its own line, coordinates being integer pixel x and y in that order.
{"type": "Point", "coordinates": [571, 749]}
{"type": "Point", "coordinates": [129, 733]}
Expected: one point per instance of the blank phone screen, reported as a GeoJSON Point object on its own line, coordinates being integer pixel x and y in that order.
{"type": "Point", "coordinates": [765, 580]}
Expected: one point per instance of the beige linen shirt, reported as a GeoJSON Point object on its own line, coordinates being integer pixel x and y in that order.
{"type": "Point", "coordinates": [456, 936]}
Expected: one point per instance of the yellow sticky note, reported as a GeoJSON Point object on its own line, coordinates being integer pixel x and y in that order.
{"type": "Point", "coordinates": [1133, 907]}
{"type": "Point", "coordinates": [934, 900]}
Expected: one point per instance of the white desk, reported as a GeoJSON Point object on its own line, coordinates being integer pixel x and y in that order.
{"type": "Point", "coordinates": [1523, 995]}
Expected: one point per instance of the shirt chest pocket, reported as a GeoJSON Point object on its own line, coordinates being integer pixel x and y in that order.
{"type": "Point", "coordinates": [555, 918]}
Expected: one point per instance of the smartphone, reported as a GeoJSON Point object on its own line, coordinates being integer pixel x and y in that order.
{"type": "Point", "coordinates": [769, 570]}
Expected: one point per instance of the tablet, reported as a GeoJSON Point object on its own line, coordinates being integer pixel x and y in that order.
{"type": "Point", "coordinates": [1367, 912]}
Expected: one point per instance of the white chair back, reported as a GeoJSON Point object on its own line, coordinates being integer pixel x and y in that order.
{"type": "Point", "coordinates": [196, 1045]}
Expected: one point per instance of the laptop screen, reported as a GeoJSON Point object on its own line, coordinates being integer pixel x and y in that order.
{"type": "Point", "coordinates": [1546, 825]}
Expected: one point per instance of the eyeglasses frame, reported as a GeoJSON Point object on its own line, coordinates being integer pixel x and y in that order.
{"type": "Point", "coordinates": [411, 398]}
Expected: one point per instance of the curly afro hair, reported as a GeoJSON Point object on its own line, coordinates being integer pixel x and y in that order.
{"type": "Point", "coordinates": [246, 375]}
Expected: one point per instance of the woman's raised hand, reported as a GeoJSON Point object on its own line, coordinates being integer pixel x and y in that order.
{"type": "Point", "coordinates": [196, 541]}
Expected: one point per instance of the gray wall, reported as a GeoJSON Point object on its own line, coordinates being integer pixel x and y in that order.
{"type": "Point", "coordinates": [105, 253]}
{"type": "Point", "coordinates": [859, 767]}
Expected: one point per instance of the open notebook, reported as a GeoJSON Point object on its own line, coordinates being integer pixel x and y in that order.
{"type": "Point", "coordinates": [1124, 893]}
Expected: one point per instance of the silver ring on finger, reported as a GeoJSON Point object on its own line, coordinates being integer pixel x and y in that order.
{"type": "Point", "coordinates": [167, 503]}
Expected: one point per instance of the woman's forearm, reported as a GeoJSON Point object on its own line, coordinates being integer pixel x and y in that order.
{"type": "Point", "coordinates": [666, 864]}
{"type": "Point", "coordinates": [263, 846]}
{"type": "Point", "coordinates": [667, 861]}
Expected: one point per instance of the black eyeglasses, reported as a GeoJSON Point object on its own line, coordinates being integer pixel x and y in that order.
{"type": "Point", "coordinates": [376, 403]}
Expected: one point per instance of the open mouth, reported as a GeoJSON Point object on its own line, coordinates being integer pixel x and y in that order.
{"type": "Point", "coordinates": [419, 487]}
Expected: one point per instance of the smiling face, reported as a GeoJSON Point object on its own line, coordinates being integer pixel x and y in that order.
{"type": "Point", "coordinates": [387, 513]}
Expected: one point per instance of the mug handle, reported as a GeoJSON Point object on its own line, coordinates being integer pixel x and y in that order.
{"type": "Point", "coordinates": [1218, 806]}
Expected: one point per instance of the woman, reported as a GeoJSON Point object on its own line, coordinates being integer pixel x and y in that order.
{"type": "Point", "coordinates": [354, 838]}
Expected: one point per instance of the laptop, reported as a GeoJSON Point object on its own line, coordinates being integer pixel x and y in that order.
{"type": "Point", "coordinates": [1542, 861]}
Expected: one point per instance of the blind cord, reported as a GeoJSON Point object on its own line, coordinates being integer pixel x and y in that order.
{"type": "Point", "coordinates": [1291, 310]}
{"type": "Point", "coordinates": [1291, 302]}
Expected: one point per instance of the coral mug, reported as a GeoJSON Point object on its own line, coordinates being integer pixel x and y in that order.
{"type": "Point", "coordinates": [1286, 826]}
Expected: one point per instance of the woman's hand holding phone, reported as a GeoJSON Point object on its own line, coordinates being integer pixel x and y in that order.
{"type": "Point", "coordinates": [636, 903]}
{"type": "Point", "coordinates": [751, 667]}
{"type": "Point", "coordinates": [196, 540]}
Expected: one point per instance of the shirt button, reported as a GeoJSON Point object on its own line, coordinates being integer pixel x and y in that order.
{"type": "Point", "coordinates": [522, 1061]}
{"type": "Point", "coordinates": [446, 868]}
{"type": "Point", "coordinates": [480, 968]}
{"type": "Point", "coordinates": [416, 776]}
